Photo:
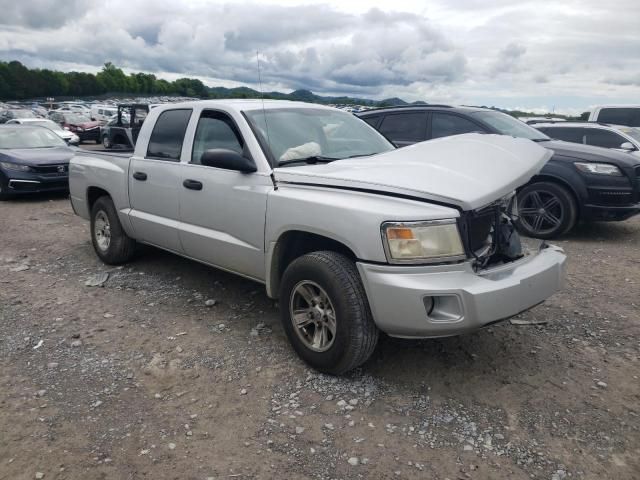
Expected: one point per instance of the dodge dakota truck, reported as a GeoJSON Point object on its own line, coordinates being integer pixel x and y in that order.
{"type": "Point", "coordinates": [352, 236]}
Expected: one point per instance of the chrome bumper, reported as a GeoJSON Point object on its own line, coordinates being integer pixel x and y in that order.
{"type": "Point", "coordinates": [439, 301]}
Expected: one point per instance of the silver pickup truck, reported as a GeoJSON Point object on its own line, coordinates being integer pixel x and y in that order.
{"type": "Point", "coordinates": [351, 235]}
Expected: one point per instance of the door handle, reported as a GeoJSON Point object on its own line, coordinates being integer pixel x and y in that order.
{"type": "Point", "coordinates": [192, 184]}
{"type": "Point", "coordinates": [140, 176]}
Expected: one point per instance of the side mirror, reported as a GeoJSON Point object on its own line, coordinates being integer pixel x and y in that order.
{"type": "Point", "coordinates": [227, 159]}
{"type": "Point", "coordinates": [628, 146]}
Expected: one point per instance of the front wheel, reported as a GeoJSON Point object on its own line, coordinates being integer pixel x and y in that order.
{"type": "Point", "coordinates": [545, 210]}
{"type": "Point", "coordinates": [4, 188]}
{"type": "Point", "coordinates": [325, 312]}
{"type": "Point", "coordinates": [110, 241]}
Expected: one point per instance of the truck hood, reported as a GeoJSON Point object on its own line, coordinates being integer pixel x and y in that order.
{"type": "Point", "coordinates": [468, 171]}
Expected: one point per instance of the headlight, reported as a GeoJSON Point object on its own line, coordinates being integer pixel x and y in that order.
{"type": "Point", "coordinates": [15, 167]}
{"type": "Point", "coordinates": [422, 242]}
{"type": "Point", "coordinates": [599, 169]}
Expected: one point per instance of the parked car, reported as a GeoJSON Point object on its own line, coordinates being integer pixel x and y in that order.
{"type": "Point", "coordinates": [14, 113]}
{"type": "Point", "coordinates": [102, 113]}
{"type": "Point", "coordinates": [68, 136]}
{"type": "Point", "coordinates": [580, 182]}
{"type": "Point", "coordinates": [122, 132]}
{"type": "Point", "coordinates": [535, 120]}
{"type": "Point", "coordinates": [351, 235]}
{"type": "Point", "coordinates": [628, 115]}
{"type": "Point", "coordinates": [32, 159]}
{"type": "Point", "coordinates": [74, 107]}
{"type": "Point", "coordinates": [624, 139]}
{"type": "Point", "coordinates": [82, 126]}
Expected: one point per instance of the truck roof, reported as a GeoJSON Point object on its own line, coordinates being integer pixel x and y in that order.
{"type": "Point", "coordinates": [242, 104]}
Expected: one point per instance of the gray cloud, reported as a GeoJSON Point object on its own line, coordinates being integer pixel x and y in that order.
{"type": "Point", "coordinates": [315, 46]}
{"type": "Point", "coordinates": [469, 51]}
{"type": "Point", "coordinates": [39, 13]}
{"type": "Point", "coordinates": [508, 59]}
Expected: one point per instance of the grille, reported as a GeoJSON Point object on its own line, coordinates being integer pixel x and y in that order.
{"type": "Point", "coordinates": [613, 197]}
{"type": "Point", "coordinates": [52, 170]}
{"type": "Point", "coordinates": [477, 229]}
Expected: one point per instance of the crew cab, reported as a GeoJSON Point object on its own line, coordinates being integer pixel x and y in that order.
{"type": "Point", "coordinates": [352, 235]}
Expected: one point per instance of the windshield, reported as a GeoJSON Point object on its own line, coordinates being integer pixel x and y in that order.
{"type": "Point", "coordinates": [25, 137]}
{"type": "Point", "coordinates": [47, 123]}
{"type": "Point", "coordinates": [23, 114]}
{"type": "Point", "coordinates": [299, 133]}
{"type": "Point", "coordinates": [74, 118]}
{"type": "Point", "coordinates": [632, 132]}
{"type": "Point", "coordinates": [507, 125]}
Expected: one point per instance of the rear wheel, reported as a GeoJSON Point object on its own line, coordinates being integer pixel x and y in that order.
{"type": "Point", "coordinates": [325, 312]}
{"type": "Point", "coordinates": [106, 142]}
{"type": "Point", "coordinates": [545, 210]}
{"type": "Point", "coordinates": [110, 241]}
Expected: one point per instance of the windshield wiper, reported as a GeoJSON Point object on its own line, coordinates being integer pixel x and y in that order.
{"type": "Point", "coordinates": [308, 160]}
{"type": "Point", "coordinates": [540, 140]}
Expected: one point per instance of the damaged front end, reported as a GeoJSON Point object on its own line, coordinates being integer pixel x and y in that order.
{"type": "Point", "coordinates": [489, 236]}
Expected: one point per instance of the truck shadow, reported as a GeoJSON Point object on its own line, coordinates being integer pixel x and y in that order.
{"type": "Point", "coordinates": [491, 358]}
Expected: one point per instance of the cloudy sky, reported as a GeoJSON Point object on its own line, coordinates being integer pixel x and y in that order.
{"type": "Point", "coordinates": [536, 54]}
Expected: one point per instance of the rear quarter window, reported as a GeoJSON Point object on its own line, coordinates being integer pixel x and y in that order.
{"type": "Point", "coordinates": [409, 127]}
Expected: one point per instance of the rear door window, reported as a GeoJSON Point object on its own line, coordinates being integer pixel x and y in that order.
{"type": "Point", "coordinates": [445, 125]}
{"type": "Point", "coordinates": [405, 127]}
{"type": "Point", "coordinates": [620, 116]}
{"type": "Point", "coordinates": [573, 135]}
{"type": "Point", "coordinates": [215, 130]}
{"type": "Point", "coordinates": [603, 138]}
{"type": "Point", "coordinates": [168, 135]}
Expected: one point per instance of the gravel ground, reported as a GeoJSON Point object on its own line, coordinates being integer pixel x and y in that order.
{"type": "Point", "coordinates": [170, 369]}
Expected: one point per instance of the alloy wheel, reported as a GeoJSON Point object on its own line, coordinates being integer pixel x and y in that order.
{"type": "Point", "coordinates": [313, 316]}
{"type": "Point", "coordinates": [540, 211]}
{"type": "Point", "coordinates": [102, 230]}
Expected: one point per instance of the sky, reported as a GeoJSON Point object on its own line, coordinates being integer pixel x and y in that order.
{"type": "Point", "coordinates": [563, 56]}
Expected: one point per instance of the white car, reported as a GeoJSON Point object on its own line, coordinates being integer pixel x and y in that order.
{"type": "Point", "coordinates": [628, 115]}
{"type": "Point", "coordinates": [69, 137]}
{"type": "Point", "coordinates": [618, 137]}
{"type": "Point", "coordinates": [103, 113]}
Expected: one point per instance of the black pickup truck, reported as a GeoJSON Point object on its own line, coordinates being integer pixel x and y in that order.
{"type": "Point", "coordinates": [123, 130]}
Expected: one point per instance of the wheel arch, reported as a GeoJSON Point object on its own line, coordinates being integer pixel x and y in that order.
{"type": "Point", "coordinates": [545, 177]}
{"type": "Point", "coordinates": [93, 194]}
{"type": "Point", "coordinates": [293, 244]}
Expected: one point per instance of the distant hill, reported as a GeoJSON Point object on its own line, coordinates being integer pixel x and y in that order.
{"type": "Point", "coordinates": [303, 95]}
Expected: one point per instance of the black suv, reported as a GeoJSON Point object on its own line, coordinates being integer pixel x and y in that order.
{"type": "Point", "coordinates": [580, 182]}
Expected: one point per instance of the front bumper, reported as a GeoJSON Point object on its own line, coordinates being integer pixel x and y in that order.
{"type": "Point", "coordinates": [29, 182]}
{"type": "Point", "coordinates": [463, 300]}
{"type": "Point", "coordinates": [610, 213]}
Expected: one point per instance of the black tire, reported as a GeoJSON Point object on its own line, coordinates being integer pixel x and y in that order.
{"type": "Point", "coordinates": [120, 248]}
{"type": "Point", "coordinates": [4, 188]}
{"type": "Point", "coordinates": [106, 142]}
{"type": "Point", "coordinates": [356, 335]}
{"type": "Point", "coordinates": [545, 210]}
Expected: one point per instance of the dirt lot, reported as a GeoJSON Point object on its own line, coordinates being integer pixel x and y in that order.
{"type": "Point", "coordinates": [140, 379]}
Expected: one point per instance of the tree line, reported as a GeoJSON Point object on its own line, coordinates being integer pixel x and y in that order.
{"type": "Point", "coordinates": [18, 82]}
